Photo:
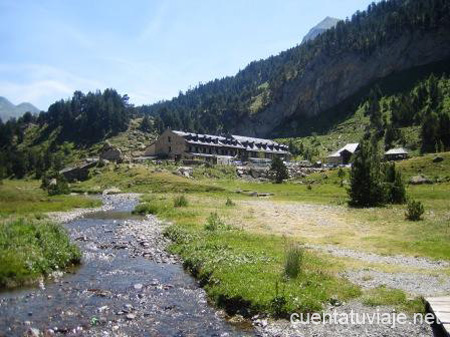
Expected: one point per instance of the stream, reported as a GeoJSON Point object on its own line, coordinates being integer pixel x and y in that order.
{"type": "Point", "coordinates": [127, 284]}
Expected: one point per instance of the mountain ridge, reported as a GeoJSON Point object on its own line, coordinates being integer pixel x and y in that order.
{"type": "Point", "coordinates": [9, 110]}
{"type": "Point", "coordinates": [321, 27]}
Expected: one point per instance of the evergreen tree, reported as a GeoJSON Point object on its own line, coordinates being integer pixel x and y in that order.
{"type": "Point", "coordinates": [280, 170]}
{"type": "Point", "coordinates": [146, 124]}
{"type": "Point", "coordinates": [429, 131]}
{"type": "Point", "coordinates": [395, 187]}
{"type": "Point", "coordinates": [366, 183]}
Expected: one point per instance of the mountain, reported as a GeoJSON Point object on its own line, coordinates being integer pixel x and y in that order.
{"type": "Point", "coordinates": [9, 110]}
{"type": "Point", "coordinates": [304, 87]}
{"type": "Point", "coordinates": [324, 25]}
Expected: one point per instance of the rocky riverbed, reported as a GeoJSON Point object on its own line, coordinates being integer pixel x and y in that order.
{"type": "Point", "coordinates": [127, 285]}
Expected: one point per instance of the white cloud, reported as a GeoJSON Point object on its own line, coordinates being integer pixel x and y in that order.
{"type": "Point", "coordinates": [41, 85]}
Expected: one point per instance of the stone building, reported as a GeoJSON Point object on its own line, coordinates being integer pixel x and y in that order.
{"type": "Point", "coordinates": [217, 149]}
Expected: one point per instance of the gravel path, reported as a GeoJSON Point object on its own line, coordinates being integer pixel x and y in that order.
{"type": "Point", "coordinates": [269, 328]}
{"type": "Point", "coordinates": [412, 283]}
{"type": "Point", "coordinates": [415, 284]}
{"type": "Point", "coordinates": [407, 261]}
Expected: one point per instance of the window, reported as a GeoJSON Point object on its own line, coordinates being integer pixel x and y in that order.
{"type": "Point", "coordinates": [169, 139]}
{"type": "Point", "coordinates": [170, 149]}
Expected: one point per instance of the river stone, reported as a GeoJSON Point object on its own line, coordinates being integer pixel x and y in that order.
{"type": "Point", "coordinates": [33, 332]}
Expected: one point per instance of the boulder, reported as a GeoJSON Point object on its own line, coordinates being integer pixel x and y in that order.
{"type": "Point", "coordinates": [112, 190]}
{"type": "Point", "coordinates": [185, 171]}
{"type": "Point", "coordinates": [420, 179]}
{"type": "Point", "coordinates": [111, 153]}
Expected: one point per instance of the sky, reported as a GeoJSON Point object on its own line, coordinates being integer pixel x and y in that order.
{"type": "Point", "coordinates": [148, 49]}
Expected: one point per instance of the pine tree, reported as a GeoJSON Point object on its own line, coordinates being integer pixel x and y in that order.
{"type": "Point", "coordinates": [146, 125]}
{"type": "Point", "coordinates": [395, 187]}
{"type": "Point", "coordinates": [280, 170]}
{"type": "Point", "coordinates": [366, 183]}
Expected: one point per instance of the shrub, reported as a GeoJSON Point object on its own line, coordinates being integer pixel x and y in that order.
{"type": "Point", "coordinates": [214, 222]}
{"type": "Point", "coordinates": [180, 201]}
{"type": "Point", "coordinates": [229, 202]}
{"type": "Point", "coordinates": [145, 208]}
{"type": "Point", "coordinates": [55, 184]}
{"type": "Point", "coordinates": [293, 263]}
{"type": "Point", "coordinates": [341, 173]}
{"type": "Point", "coordinates": [278, 303]}
{"type": "Point", "coordinates": [414, 210]}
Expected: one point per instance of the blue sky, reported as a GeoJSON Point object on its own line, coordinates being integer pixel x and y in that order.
{"type": "Point", "coordinates": [149, 49]}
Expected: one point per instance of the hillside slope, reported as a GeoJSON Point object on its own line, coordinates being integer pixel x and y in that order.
{"type": "Point", "coordinates": [314, 77]}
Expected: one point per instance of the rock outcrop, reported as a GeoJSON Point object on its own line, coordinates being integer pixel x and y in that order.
{"type": "Point", "coordinates": [111, 153]}
{"type": "Point", "coordinates": [327, 81]}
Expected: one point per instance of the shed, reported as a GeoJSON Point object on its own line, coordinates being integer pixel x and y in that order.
{"type": "Point", "coordinates": [396, 154]}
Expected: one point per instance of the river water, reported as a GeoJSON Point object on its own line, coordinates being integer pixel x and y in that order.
{"type": "Point", "coordinates": [116, 291]}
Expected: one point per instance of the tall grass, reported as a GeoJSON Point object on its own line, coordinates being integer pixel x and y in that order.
{"type": "Point", "coordinates": [293, 262]}
{"type": "Point", "coordinates": [145, 208]}
{"type": "Point", "coordinates": [180, 201]}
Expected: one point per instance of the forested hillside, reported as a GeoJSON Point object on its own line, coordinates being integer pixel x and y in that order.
{"type": "Point", "coordinates": [417, 118]}
{"type": "Point", "coordinates": [36, 144]}
{"type": "Point", "coordinates": [305, 81]}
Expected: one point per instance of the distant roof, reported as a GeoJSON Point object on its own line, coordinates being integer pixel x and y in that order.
{"type": "Point", "coordinates": [350, 147]}
{"type": "Point", "coordinates": [244, 139]}
{"type": "Point", "coordinates": [398, 150]}
{"type": "Point", "coordinates": [234, 141]}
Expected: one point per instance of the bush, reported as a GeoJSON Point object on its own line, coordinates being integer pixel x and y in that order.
{"type": "Point", "coordinates": [145, 208]}
{"type": "Point", "coordinates": [229, 202]}
{"type": "Point", "coordinates": [214, 222]}
{"type": "Point", "coordinates": [414, 210]}
{"type": "Point", "coordinates": [55, 184]}
{"type": "Point", "coordinates": [293, 263]}
{"type": "Point", "coordinates": [180, 201]}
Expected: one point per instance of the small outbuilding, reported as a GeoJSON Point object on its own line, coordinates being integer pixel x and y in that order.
{"type": "Point", "coordinates": [396, 154]}
{"type": "Point", "coordinates": [343, 155]}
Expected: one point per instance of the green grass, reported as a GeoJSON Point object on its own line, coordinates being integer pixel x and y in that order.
{"type": "Point", "coordinates": [393, 297]}
{"type": "Point", "coordinates": [243, 272]}
{"type": "Point", "coordinates": [31, 248]}
{"type": "Point", "coordinates": [20, 197]}
{"type": "Point", "coordinates": [142, 179]}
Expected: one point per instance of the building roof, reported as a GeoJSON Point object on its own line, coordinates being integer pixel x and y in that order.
{"type": "Point", "coordinates": [234, 141]}
{"type": "Point", "coordinates": [398, 150]}
{"type": "Point", "coordinates": [350, 147]}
